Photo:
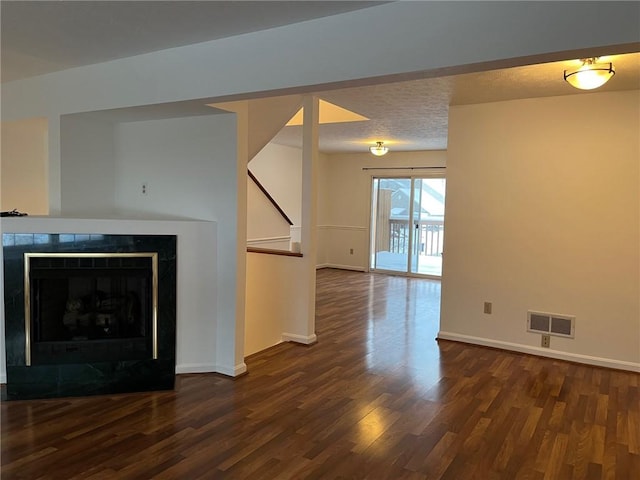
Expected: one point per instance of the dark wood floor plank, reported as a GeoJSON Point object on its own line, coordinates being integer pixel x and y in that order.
{"type": "Point", "coordinates": [376, 398]}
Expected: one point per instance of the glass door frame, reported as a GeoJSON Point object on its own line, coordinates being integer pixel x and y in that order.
{"type": "Point", "coordinates": [438, 173]}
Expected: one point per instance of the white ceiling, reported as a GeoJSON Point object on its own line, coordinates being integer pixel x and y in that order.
{"type": "Point", "coordinates": [42, 37]}
{"type": "Point", "coordinates": [47, 36]}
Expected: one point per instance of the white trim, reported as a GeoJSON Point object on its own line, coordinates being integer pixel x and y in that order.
{"type": "Point", "coordinates": [305, 340]}
{"type": "Point", "coordinates": [195, 368]}
{"type": "Point", "coordinates": [232, 371]}
{"type": "Point", "coordinates": [342, 267]}
{"type": "Point", "coordinates": [3, 379]}
{"type": "Point", "coordinates": [542, 352]}
{"type": "Point", "coordinates": [210, 368]}
{"type": "Point", "coordinates": [341, 227]}
{"type": "Point", "coordinates": [252, 241]}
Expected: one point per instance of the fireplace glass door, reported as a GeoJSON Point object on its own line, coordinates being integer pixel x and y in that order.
{"type": "Point", "coordinates": [90, 307]}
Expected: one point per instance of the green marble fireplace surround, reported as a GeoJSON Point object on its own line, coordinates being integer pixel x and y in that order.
{"type": "Point", "coordinates": [125, 341]}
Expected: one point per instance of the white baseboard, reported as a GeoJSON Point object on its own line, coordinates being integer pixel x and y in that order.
{"type": "Point", "coordinates": [342, 227]}
{"type": "Point", "coordinates": [3, 379]}
{"type": "Point", "coordinates": [305, 340]}
{"type": "Point", "coordinates": [195, 368]}
{"type": "Point", "coordinates": [542, 352]}
{"type": "Point", "coordinates": [341, 267]}
{"type": "Point", "coordinates": [232, 371]}
{"type": "Point", "coordinates": [210, 368]}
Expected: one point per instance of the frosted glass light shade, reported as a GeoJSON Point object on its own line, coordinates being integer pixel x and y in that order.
{"type": "Point", "coordinates": [590, 75]}
{"type": "Point", "coordinates": [379, 150]}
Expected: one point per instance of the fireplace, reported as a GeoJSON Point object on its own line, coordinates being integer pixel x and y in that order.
{"type": "Point", "coordinates": [89, 314]}
{"type": "Point", "coordinates": [97, 307]}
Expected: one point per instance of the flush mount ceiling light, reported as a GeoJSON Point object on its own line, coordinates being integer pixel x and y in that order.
{"type": "Point", "coordinates": [378, 150]}
{"type": "Point", "coordinates": [590, 75]}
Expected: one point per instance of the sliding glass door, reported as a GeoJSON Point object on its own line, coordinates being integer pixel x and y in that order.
{"type": "Point", "coordinates": [389, 232]}
{"type": "Point", "coordinates": [407, 225]}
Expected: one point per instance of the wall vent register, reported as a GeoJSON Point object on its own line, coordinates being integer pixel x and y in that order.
{"type": "Point", "coordinates": [551, 323]}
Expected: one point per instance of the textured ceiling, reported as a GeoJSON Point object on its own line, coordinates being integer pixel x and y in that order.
{"type": "Point", "coordinates": [406, 116]}
{"type": "Point", "coordinates": [40, 37]}
{"type": "Point", "coordinates": [410, 116]}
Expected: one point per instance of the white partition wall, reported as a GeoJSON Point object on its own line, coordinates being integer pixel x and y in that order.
{"type": "Point", "coordinates": [543, 214]}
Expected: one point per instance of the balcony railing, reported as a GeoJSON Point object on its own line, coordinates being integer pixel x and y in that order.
{"type": "Point", "coordinates": [428, 237]}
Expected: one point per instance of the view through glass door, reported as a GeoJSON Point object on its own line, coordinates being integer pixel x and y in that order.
{"type": "Point", "coordinates": [407, 225]}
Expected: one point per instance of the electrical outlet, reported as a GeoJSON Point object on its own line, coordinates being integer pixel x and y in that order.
{"type": "Point", "coordinates": [351, 251]}
{"type": "Point", "coordinates": [546, 340]}
{"type": "Point", "coordinates": [488, 307]}
{"type": "Point", "coordinates": [144, 189]}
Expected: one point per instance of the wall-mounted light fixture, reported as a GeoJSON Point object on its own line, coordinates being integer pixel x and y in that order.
{"type": "Point", "coordinates": [590, 75]}
{"type": "Point", "coordinates": [379, 150]}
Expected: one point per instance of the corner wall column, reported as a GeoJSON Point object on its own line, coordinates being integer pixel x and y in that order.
{"type": "Point", "coordinates": [242, 118]}
{"type": "Point", "coordinates": [231, 324]}
{"type": "Point", "coordinates": [309, 243]}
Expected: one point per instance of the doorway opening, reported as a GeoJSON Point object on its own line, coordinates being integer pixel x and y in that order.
{"type": "Point", "coordinates": [407, 225]}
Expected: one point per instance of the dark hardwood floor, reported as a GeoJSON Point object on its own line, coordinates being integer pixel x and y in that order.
{"type": "Point", "coordinates": [377, 397]}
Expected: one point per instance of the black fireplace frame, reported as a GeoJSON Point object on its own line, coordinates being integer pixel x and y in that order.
{"type": "Point", "coordinates": [90, 377]}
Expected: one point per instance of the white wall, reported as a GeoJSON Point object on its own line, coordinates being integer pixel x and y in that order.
{"type": "Point", "coordinates": [345, 199]}
{"type": "Point", "coordinates": [23, 166]}
{"type": "Point", "coordinates": [279, 170]}
{"type": "Point", "coordinates": [543, 212]}
{"type": "Point", "coordinates": [266, 228]}
{"type": "Point", "coordinates": [191, 168]}
{"type": "Point", "coordinates": [267, 116]}
{"type": "Point", "coordinates": [183, 162]}
{"type": "Point", "coordinates": [280, 293]}
{"type": "Point", "coordinates": [273, 306]}
{"type": "Point", "coordinates": [87, 167]}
